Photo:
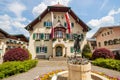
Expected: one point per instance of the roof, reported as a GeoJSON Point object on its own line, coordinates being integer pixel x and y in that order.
{"type": "Point", "coordinates": [4, 33]}
{"type": "Point", "coordinates": [21, 37]}
{"type": "Point", "coordinates": [102, 28]}
{"type": "Point", "coordinates": [58, 5]}
{"type": "Point", "coordinates": [57, 8]}
{"type": "Point", "coordinates": [91, 39]}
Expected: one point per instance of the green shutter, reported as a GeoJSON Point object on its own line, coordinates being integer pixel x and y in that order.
{"type": "Point", "coordinates": [72, 24]}
{"type": "Point", "coordinates": [37, 49]}
{"type": "Point", "coordinates": [42, 36]}
{"type": "Point", "coordinates": [65, 24]}
{"type": "Point", "coordinates": [44, 23]}
{"type": "Point", "coordinates": [34, 36]}
{"type": "Point", "coordinates": [68, 36]}
{"type": "Point", "coordinates": [75, 35]}
{"type": "Point", "coordinates": [82, 36]}
{"type": "Point", "coordinates": [78, 51]}
{"type": "Point", "coordinates": [45, 49]}
{"type": "Point", "coordinates": [71, 49]}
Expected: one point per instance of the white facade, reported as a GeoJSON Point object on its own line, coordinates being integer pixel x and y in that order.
{"type": "Point", "coordinates": [58, 46]}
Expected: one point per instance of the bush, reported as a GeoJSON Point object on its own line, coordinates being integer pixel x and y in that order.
{"type": "Point", "coordinates": [30, 55]}
{"type": "Point", "coordinates": [102, 53]}
{"type": "Point", "coordinates": [16, 54]}
{"type": "Point", "coordinates": [87, 52]}
{"type": "Point", "coordinates": [14, 67]}
{"type": "Point", "coordinates": [108, 63]}
{"type": "Point", "coordinates": [88, 55]}
{"type": "Point", "coordinates": [86, 49]}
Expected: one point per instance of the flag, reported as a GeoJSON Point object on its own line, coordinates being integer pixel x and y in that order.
{"type": "Point", "coordinates": [52, 30]}
{"type": "Point", "coordinates": [68, 22]}
{"type": "Point", "coordinates": [52, 33]}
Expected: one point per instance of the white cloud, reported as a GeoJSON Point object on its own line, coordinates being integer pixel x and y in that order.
{"type": "Point", "coordinates": [113, 12]}
{"type": "Point", "coordinates": [18, 24]}
{"type": "Point", "coordinates": [39, 9]}
{"type": "Point", "coordinates": [12, 25]}
{"type": "Point", "coordinates": [104, 21]}
{"type": "Point", "coordinates": [17, 8]}
{"type": "Point", "coordinates": [5, 22]}
{"type": "Point", "coordinates": [107, 20]}
{"type": "Point", "coordinates": [43, 5]}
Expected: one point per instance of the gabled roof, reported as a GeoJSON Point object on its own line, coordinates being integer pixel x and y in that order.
{"type": "Point", "coordinates": [102, 28]}
{"type": "Point", "coordinates": [4, 33]}
{"type": "Point", "coordinates": [21, 37]}
{"type": "Point", "coordinates": [57, 8]}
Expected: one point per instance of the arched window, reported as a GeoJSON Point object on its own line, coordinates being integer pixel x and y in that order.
{"type": "Point", "coordinates": [105, 43]}
{"type": "Point", "coordinates": [110, 42]}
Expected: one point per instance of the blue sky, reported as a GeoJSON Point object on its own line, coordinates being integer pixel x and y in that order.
{"type": "Point", "coordinates": [16, 14]}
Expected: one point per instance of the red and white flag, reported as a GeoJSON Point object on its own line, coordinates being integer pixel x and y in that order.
{"type": "Point", "coordinates": [68, 22]}
{"type": "Point", "coordinates": [52, 30]}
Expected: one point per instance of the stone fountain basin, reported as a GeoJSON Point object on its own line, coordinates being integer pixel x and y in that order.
{"type": "Point", "coordinates": [64, 76]}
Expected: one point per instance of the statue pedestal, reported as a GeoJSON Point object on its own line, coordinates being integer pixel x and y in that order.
{"type": "Point", "coordinates": [79, 72]}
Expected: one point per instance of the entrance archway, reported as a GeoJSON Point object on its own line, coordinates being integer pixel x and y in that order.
{"type": "Point", "coordinates": [58, 51]}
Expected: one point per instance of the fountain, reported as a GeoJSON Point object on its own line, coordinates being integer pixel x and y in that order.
{"type": "Point", "coordinates": [78, 68]}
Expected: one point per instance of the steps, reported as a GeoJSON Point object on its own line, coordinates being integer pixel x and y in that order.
{"type": "Point", "coordinates": [58, 59]}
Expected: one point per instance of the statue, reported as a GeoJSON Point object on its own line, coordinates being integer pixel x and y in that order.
{"type": "Point", "coordinates": [77, 44]}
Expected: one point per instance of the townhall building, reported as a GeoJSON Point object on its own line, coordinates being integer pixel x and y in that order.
{"type": "Point", "coordinates": [53, 22]}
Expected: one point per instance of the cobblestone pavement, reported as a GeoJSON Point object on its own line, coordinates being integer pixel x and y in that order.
{"type": "Point", "coordinates": [45, 66]}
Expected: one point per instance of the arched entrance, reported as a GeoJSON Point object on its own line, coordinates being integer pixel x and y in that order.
{"type": "Point", "coordinates": [58, 51]}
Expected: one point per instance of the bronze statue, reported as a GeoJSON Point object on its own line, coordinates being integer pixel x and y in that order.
{"type": "Point", "coordinates": [77, 44]}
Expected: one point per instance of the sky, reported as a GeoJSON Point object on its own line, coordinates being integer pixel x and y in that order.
{"type": "Point", "coordinates": [16, 14]}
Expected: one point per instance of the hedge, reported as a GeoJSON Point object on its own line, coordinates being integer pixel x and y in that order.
{"type": "Point", "coordinates": [15, 67]}
{"type": "Point", "coordinates": [107, 63]}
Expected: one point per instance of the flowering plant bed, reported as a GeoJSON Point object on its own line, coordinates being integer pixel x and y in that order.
{"type": "Point", "coordinates": [48, 75]}
{"type": "Point", "coordinates": [105, 75]}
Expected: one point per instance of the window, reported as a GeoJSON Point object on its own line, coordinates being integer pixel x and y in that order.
{"type": "Point", "coordinates": [40, 49]}
{"type": "Point", "coordinates": [102, 34]}
{"type": "Point", "coordinates": [59, 34]}
{"type": "Point", "coordinates": [47, 36]}
{"type": "Point", "coordinates": [72, 24]}
{"type": "Point", "coordinates": [47, 24]}
{"type": "Point", "coordinates": [38, 36]}
{"type": "Point", "coordinates": [105, 43]}
{"type": "Point", "coordinates": [108, 33]}
{"type": "Point", "coordinates": [99, 44]}
{"type": "Point", "coordinates": [110, 42]}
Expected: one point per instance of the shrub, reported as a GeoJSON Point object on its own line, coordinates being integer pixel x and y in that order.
{"type": "Point", "coordinates": [107, 63]}
{"type": "Point", "coordinates": [88, 55]}
{"type": "Point", "coordinates": [86, 49]}
{"type": "Point", "coordinates": [30, 55]}
{"type": "Point", "coordinates": [102, 53]}
{"type": "Point", "coordinates": [14, 67]}
{"type": "Point", "coordinates": [16, 54]}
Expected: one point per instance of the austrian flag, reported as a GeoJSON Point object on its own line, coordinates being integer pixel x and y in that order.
{"type": "Point", "coordinates": [68, 22]}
